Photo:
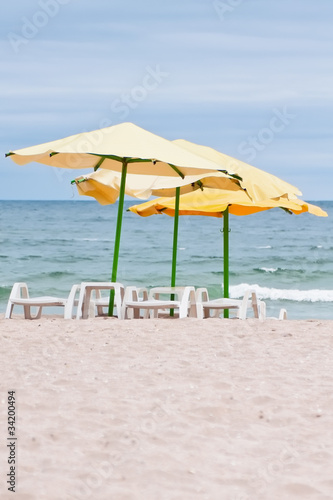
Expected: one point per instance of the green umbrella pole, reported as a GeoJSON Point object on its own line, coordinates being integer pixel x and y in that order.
{"type": "Point", "coordinates": [175, 244]}
{"type": "Point", "coordinates": [118, 234]}
{"type": "Point", "coordinates": [226, 258]}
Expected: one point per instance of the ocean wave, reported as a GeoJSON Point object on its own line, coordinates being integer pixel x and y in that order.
{"type": "Point", "coordinates": [57, 274]}
{"type": "Point", "coordinates": [264, 246]}
{"type": "Point", "coordinates": [322, 247]}
{"type": "Point", "coordinates": [278, 270]}
{"type": "Point", "coordinates": [231, 273]}
{"type": "Point", "coordinates": [268, 269]}
{"type": "Point", "coordinates": [314, 295]}
{"type": "Point", "coordinates": [92, 239]}
{"type": "Point", "coordinates": [204, 258]}
{"type": "Point", "coordinates": [29, 257]}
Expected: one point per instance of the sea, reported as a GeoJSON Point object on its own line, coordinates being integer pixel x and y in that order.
{"type": "Point", "coordinates": [286, 258]}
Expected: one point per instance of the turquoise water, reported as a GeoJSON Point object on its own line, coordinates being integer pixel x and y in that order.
{"type": "Point", "coordinates": [288, 259]}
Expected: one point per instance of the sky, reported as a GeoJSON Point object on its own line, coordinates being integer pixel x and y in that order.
{"type": "Point", "coordinates": [250, 78]}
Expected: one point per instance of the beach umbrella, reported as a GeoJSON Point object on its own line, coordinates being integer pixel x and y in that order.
{"type": "Point", "coordinates": [126, 149]}
{"type": "Point", "coordinates": [217, 203]}
{"type": "Point", "coordinates": [214, 202]}
{"type": "Point", "coordinates": [258, 184]}
{"type": "Point", "coordinates": [104, 185]}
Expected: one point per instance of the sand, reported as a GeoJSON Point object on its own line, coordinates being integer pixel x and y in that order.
{"type": "Point", "coordinates": [168, 409]}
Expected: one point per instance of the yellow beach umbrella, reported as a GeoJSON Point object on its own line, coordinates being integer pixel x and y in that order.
{"type": "Point", "coordinates": [104, 185]}
{"type": "Point", "coordinates": [259, 185]}
{"type": "Point", "coordinates": [214, 202]}
{"type": "Point", "coordinates": [217, 203]}
{"type": "Point", "coordinates": [143, 152]}
{"type": "Point", "coordinates": [126, 149]}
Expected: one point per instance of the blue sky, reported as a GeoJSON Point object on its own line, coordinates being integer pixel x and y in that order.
{"type": "Point", "coordinates": [251, 78]}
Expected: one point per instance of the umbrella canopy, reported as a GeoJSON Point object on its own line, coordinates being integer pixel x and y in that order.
{"type": "Point", "coordinates": [142, 151]}
{"type": "Point", "coordinates": [104, 185]}
{"type": "Point", "coordinates": [217, 203]}
{"type": "Point", "coordinates": [124, 148]}
{"type": "Point", "coordinates": [213, 203]}
{"type": "Point", "coordinates": [260, 185]}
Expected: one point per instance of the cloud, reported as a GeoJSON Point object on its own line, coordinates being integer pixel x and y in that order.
{"type": "Point", "coordinates": [87, 65]}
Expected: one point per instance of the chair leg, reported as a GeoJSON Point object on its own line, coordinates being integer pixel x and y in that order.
{"type": "Point", "coordinates": [242, 312]}
{"type": "Point", "coordinates": [154, 313]}
{"type": "Point", "coordinates": [118, 302]}
{"type": "Point", "coordinates": [183, 310]}
{"type": "Point", "coordinates": [69, 306]}
{"type": "Point", "coordinates": [99, 308]}
{"type": "Point", "coordinates": [217, 313]}
{"type": "Point", "coordinates": [145, 314]}
{"type": "Point", "coordinates": [206, 312]}
{"type": "Point", "coordinates": [283, 314]}
{"type": "Point", "coordinates": [255, 305]}
{"type": "Point", "coordinates": [19, 290]}
{"type": "Point", "coordinates": [9, 310]}
{"type": "Point", "coordinates": [136, 313]}
{"type": "Point", "coordinates": [28, 314]}
{"type": "Point", "coordinates": [200, 311]}
{"type": "Point", "coordinates": [262, 310]}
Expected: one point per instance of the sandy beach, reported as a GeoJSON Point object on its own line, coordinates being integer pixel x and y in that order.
{"type": "Point", "coordinates": [168, 409]}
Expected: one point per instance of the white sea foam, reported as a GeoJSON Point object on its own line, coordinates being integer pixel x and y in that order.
{"type": "Point", "coordinates": [265, 246]}
{"type": "Point", "coordinates": [315, 295]}
{"type": "Point", "coordinates": [269, 269]}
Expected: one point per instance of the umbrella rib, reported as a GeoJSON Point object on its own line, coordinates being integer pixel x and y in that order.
{"type": "Point", "coordinates": [139, 160]}
{"type": "Point", "coordinates": [287, 210]}
{"type": "Point", "coordinates": [177, 170]}
{"type": "Point", "coordinates": [99, 163]}
{"type": "Point", "coordinates": [235, 176]}
{"type": "Point", "coordinates": [78, 181]}
{"type": "Point", "coordinates": [142, 160]}
{"type": "Point", "coordinates": [121, 159]}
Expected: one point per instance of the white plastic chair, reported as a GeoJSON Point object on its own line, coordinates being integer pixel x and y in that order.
{"type": "Point", "coordinates": [19, 296]}
{"type": "Point", "coordinates": [137, 300]}
{"type": "Point", "coordinates": [87, 303]}
{"type": "Point", "coordinates": [262, 307]}
{"type": "Point", "coordinates": [133, 295]}
{"type": "Point", "coordinates": [239, 306]}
